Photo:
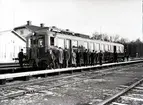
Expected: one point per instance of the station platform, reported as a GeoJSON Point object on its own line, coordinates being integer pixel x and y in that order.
{"type": "Point", "coordinates": [26, 75]}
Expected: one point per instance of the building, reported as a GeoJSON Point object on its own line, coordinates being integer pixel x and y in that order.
{"type": "Point", "coordinates": [10, 45]}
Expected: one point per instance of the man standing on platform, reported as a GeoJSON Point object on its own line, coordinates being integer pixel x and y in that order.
{"type": "Point", "coordinates": [66, 57]}
{"type": "Point", "coordinates": [92, 57]}
{"type": "Point", "coordinates": [85, 57]}
{"type": "Point", "coordinates": [61, 57]}
{"type": "Point", "coordinates": [78, 57]}
{"type": "Point", "coordinates": [100, 57]}
{"type": "Point", "coordinates": [21, 56]}
{"type": "Point", "coordinates": [95, 57]}
{"type": "Point", "coordinates": [115, 57]}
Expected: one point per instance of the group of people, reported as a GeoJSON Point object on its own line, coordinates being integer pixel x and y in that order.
{"type": "Point", "coordinates": [63, 58]}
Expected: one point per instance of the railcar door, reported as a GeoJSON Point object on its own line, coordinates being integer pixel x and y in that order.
{"type": "Point", "coordinates": [114, 49]}
{"type": "Point", "coordinates": [41, 46]}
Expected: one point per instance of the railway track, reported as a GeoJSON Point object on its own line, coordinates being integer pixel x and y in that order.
{"type": "Point", "coordinates": [38, 85]}
{"type": "Point", "coordinates": [131, 95]}
{"type": "Point", "coordinates": [19, 89]}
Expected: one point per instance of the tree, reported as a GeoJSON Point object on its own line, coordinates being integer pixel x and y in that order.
{"type": "Point", "coordinates": [105, 37]}
{"type": "Point", "coordinates": [122, 41]}
{"type": "Point", "coordinates": [116, 38]}
{"type": "Point", "coordinates": [98, 36]}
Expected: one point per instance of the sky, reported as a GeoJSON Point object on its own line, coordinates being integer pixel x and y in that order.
{"type": "Point", "coordinates": [122, 17]}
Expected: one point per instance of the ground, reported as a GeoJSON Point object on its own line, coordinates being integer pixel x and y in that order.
{"type": "Point", "coordinates": [88, 89]}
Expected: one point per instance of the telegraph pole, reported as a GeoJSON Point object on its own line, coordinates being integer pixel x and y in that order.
{"type": "Point", "coordinates": [142, 20]}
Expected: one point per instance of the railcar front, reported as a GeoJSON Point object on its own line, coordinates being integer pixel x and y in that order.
{"type": "Point", "coordinates": [37, 46]}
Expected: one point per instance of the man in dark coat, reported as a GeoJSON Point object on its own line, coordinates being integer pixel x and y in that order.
{"type": "Point", "coordinates": [85, 57]}
{"type": "Point", "coordinates": [88, 57]}
{"type": "Point", "coordinates": [66, 57]}
{"type": "Point", "coordinates": [78, 57]}
{"type": "Point", "coordinates": [95, 57]}
{"type": "Point", "coordinates": [92, 57]}
{"type": "Point", "coordinates": [100, 57]}
{"type": "Point", "coordinates": [115, 56]}
{"type": "Point", "coordinates": [21, 56]}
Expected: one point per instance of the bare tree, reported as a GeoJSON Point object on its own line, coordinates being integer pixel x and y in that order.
{"type": "Point", "coordinates": [123, 41]}
{"type": "Point", "coordinates": [98, 36]}
{"type": "Point", "coordinates": [105, 37]}
{"type": "Point", "coordinates": [116, 38]}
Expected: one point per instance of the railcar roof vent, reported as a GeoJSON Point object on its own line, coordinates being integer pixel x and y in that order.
{"type": "Point", "coordinates": [53, 26]}
{"type": "Point", "coordinates": [29, 22]}
{"type": "Point", "coordinates": [67, 30]}
{"type": "Point", "coordinates": [42, 25]}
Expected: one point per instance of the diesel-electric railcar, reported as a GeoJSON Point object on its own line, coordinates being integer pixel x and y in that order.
{"type": "Point", "coordinates": [41, 40]}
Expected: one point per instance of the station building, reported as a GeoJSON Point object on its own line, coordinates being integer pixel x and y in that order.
{"type": "Point", "coordinates": [10, 45]}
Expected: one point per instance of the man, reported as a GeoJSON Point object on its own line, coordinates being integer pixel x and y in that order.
{"type": "Point", "coordinates": [95, 57]}
{"type": "Point", "coordinates": [115, 57]}
{"type": "Point", "coordinates": [85, 57]}
{"type": "Point", "coordinates": [88, 57]}
{"type": "Point", "coordinates": [92, 58]}
{"type": "Point", "coordinates": [78, 57]}
{"type": "Point", "coordinates": [100, 57]}
{"type": "Point", "coordinates": [21, 56]}
{"type": "Point", "coordinates": [56, 53]}
{"type": "Point", "coordinates": [73, 58]}
{"type": "Point", "coordinates": [60, 57]}
{"type": "Point", "coordinates": [66, 57]}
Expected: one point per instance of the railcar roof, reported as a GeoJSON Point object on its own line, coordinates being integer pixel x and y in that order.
{"type": "Point", "coordinates": [60, 31]}
{"type": "Point", "coordinates": [30, 27]}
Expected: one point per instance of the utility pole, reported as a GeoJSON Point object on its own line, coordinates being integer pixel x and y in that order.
{"type": "Point", "coordinates": [142, 20]}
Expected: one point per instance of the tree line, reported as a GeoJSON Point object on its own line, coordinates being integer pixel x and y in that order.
{"type": "Point", "coordinates": [131, 48]}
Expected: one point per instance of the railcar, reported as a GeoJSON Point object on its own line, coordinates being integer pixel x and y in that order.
{"type": "Point", "coordinates": [42, 40]}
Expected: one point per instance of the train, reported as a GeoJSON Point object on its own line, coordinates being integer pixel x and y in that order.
{"type": "Point", "coordinates": [41, 40]}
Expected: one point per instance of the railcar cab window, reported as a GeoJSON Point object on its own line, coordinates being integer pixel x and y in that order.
{"type": "Point", "coordinates": [33, 41]}
{"type": "Point", "coordinates": [40, 43]}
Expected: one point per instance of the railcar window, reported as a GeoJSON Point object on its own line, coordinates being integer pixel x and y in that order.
{"type": "Point", "coordinates": [29, 43]}
{"type": "Point", "coordinates": [118, 48]}
{"type": "Point", "coordinates": [61, 43]}
{"type": "Point", "coordinates": [52, 41]}
{"type": "Point", "coordinates": [106, 47]}
{"type": "Point", "coordinates": [102, 47]}
{"type": "Point", "coordinates": [97, 46]}
{"type": "Point", "coordinates": [91, 46]}
{"type": "Point", "coordinates": [74, 43]}
{"type": "Point", "coordinates": [121, 49]}
{"type": "Point", "coordinates": [67, 44]}
{"type": "Point", "coordinates": [85, 45]}
{"type": "Point", "coordinates": [111, 48]}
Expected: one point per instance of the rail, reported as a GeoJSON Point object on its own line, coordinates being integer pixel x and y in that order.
{"type": "Point", "coordinates": [111, 99]}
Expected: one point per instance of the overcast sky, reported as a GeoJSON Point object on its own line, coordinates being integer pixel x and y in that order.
{"type": "Point", "coordinates": [122, 17]}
